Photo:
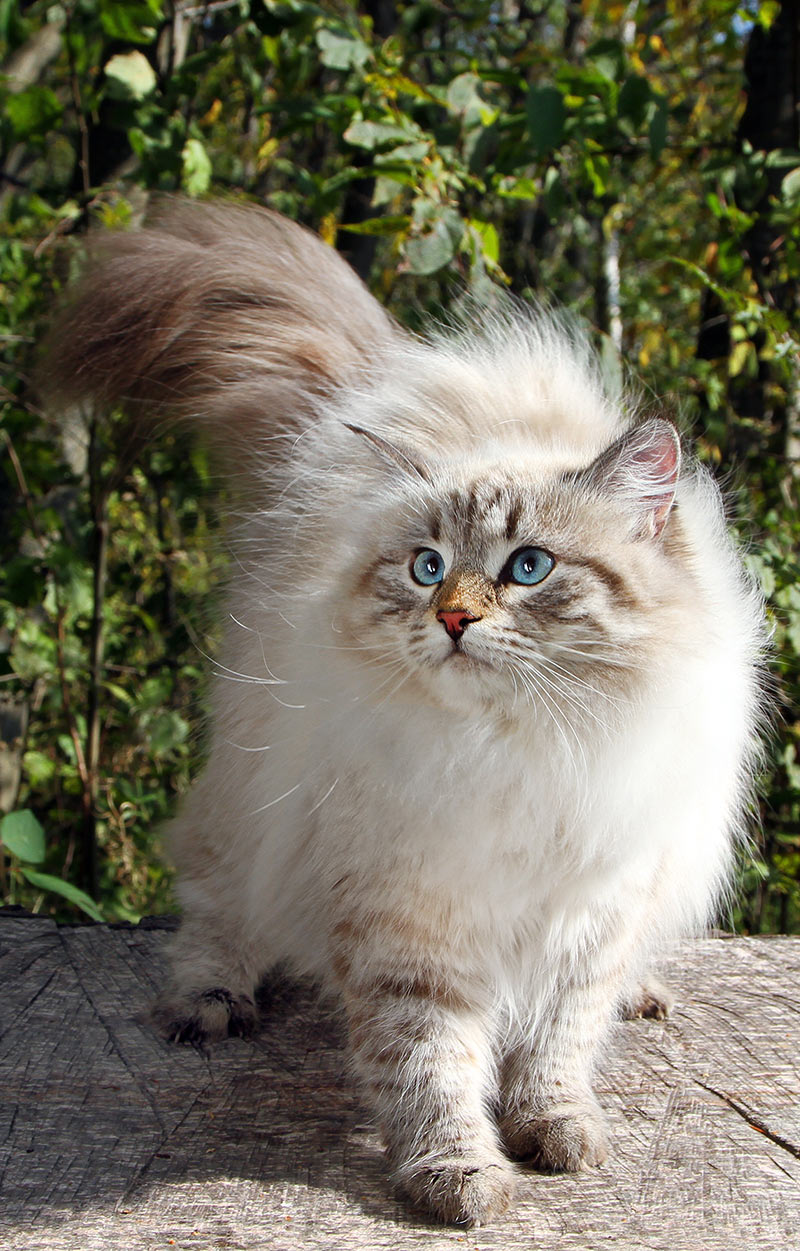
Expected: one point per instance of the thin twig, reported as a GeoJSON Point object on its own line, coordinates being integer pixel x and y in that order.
{"type": "Point", "coordinates": [78, 104]}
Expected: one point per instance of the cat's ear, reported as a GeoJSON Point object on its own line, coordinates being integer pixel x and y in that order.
{"type": "Point", "coordinates": [400, 455]}
{"type": "Point", "coordinates": [641, 469]}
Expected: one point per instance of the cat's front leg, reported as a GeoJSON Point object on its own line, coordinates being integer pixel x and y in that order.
{"type": "Point", "coordinates": [421, 1045]}
{"type": "Point", "coordinates": [550, 1115]}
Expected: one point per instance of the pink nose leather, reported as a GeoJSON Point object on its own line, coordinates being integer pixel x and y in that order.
{"type": "Point", "coordinates": [455, 621]}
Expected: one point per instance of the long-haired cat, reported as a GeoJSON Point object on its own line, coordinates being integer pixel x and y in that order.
{"type": "Point", "coordinates": [486, 717]}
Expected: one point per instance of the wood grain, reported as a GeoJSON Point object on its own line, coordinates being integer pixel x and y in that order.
{"type": "Point", "coordinates": [111, 1139]}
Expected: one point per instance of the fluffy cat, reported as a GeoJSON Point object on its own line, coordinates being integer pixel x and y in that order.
{"type": "Point", "coordinates": [486, 718]}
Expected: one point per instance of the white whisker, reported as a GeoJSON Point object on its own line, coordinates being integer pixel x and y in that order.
{"type": "Point", "coordinates": [320, 802]}
{"type": "Point", "coordinates": [241, 746]}
{"type": "Point", "coordinates": [272, 802]}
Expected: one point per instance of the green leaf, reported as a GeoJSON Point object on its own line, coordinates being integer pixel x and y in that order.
{"type": "Point", "coordinates": [608, 56]}
{"type": "Point", "coordinates": [490, 242]}
{"type": "Point", "coordinates": [767, 12]}
{"type": "Point", "coordinates": [546, 114]}
{"type": "Point", "coordinates": [39, 767]}
{"type": "Point", "coordinates": [790, 188]}
{"type": "Point", "coordinates": [7, 15]}
{"type": "Point", "coordinates": [33, 111]}
{"type": "Point", "coordinates": [165, 732]}
{"type": "Point", "coordinates": [118, 692]}
{"type": "Point", "coordinates": [518, 188]}
{"type": "Point", "coordinates": [429, 252]}
{"type": "Point", "coordinates": [341, 51]}
{"type": "Point", "coordinates": [196, 168]}
{"type": "Point", "coordinates": [596, 170]}
{"type": "Point", "coordinates": [154, 691]}
{"type": "Point", "coordinates": [743, 355]}
{"type": "Point", "coordinates": [130, 21]}
{"type": "Point", "coordinates": [374, 134]}
{"type": "Point", "coordinates": [782, 158]}
{"type": "Point", "coordinates": [46, 881]}
{"type": "Point", "coordinates": [463, 99]}
{"type": "Point", "coordinates": [461, 92]}
{"type": "Point", "coordinates": [406, 153]}
{"type": "Point", "coordinates": [129, 76]}
{"type": "Point", "coordinates": [378, 225]}
{"type": "Point", "coordinates": [23, 835]}
{"type": "Point", "coordinates": [658, 127]}
{"type": "Point", "coordinates": [554, 194]}
{"type": "Point", "coordinates": [634, 98]}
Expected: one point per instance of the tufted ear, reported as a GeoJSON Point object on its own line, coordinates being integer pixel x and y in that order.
{"type": "Point", "coordinates": [641, 470]}
{"type": "Point", "coordinates": [402, 456]}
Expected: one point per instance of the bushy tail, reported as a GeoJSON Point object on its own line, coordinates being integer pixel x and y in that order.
{"type": "Point", "coordinates": [232, 316]}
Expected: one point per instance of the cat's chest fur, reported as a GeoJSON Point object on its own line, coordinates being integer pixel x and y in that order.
{"type": "Point", "coordinates": [496, 811]}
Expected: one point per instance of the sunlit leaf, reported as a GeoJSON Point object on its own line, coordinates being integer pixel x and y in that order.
{"type": "Point", "coordinates": [196, 168]}
{"type": "Point", "coordinates": [129, 76]}
{"type": "Point", "coordinates": [370, 135]}
{"type": "Point", "coordinates": [490, 240]}
{"type": "Point", "coordinates": [608, 55]}
{"type": "Point", "coordinates": [341, 51]}
{"type": "Point", "coordinates": [427, 253]}
{"type": "Point", "coordinates": [790, 187]}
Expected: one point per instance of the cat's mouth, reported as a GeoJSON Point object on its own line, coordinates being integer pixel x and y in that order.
{"type": "Point", "coordinates": [457, 656]}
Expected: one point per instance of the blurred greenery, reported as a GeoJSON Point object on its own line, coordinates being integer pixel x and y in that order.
{"type": "Point", "coordinates": [635, 162]}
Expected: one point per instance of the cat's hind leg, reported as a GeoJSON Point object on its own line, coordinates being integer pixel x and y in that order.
{"type": "Point", "coordinates": [422, 1047]}
{"type": "Point", "coordinates": [649, 998]}
{"type": "Point", "coordinates": [210, 992]}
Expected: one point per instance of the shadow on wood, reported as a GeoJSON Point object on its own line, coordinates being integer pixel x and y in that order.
{"type": "Point", "coordinates": [113, 1139]}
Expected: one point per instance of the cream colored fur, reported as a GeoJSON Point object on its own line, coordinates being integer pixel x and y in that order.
{"type": "Point", "coordinates": [479, 848]}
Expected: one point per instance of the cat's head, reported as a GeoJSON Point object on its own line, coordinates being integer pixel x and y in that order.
{"type": "Point", "coordinates": [514, 580]}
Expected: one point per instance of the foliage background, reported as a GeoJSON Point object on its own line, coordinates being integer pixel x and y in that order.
{"type": "Point", "coordinates": [637, 162]}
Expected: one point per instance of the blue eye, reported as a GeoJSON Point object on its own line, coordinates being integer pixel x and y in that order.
{"type": "Point", "coordinates": [529, 565]}
{"type": "Point", "coordinates": [427, 568]}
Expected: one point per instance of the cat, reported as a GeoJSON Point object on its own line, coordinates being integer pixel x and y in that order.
{"type": "Point", "coordinates": [487, 714]}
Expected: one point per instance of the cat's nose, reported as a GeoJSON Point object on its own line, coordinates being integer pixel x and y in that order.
{"type": "Point", "coordinates": [455, 620]}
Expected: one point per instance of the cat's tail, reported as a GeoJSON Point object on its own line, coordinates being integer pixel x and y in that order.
{"type": "Point", "coordinates": [230, 315]}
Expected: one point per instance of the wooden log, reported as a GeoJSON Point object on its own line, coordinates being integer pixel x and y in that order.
{"type": "Point", "coordinates": [114, 1140]}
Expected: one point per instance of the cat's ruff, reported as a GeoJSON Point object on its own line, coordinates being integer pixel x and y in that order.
{"type": "Point", "coordinates": [485, 722]}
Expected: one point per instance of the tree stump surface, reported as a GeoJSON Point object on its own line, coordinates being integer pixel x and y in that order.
{"type": "Point", "coordinates": [112, 1139]}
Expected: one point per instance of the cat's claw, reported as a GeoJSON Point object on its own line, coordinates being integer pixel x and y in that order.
{"type": "Point", "coordinates": [563, 1138]}
{"type": "Point", "coordinates": [459, 1190]}
{"type": "Point", "coordinates": [206, 1017]}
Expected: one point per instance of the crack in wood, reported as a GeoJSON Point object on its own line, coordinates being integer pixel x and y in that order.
{"type": "Point", "coordinates": [752, 1119]}
{"type": "Point", "coordinates": [117, 1048]}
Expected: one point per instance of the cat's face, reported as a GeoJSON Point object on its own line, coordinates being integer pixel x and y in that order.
{"type": "Point", "coordinates": [510, 584]}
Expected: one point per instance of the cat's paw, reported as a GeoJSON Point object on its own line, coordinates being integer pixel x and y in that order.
{"type": "Point", "coordinates": [650, 998]}
{"type": "Point", "coordinates": [564, 1137]}
{"type": "Point", "coordinates": [460, 1190]}
{"type": "Point", "coordinates": [206, 1017]}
